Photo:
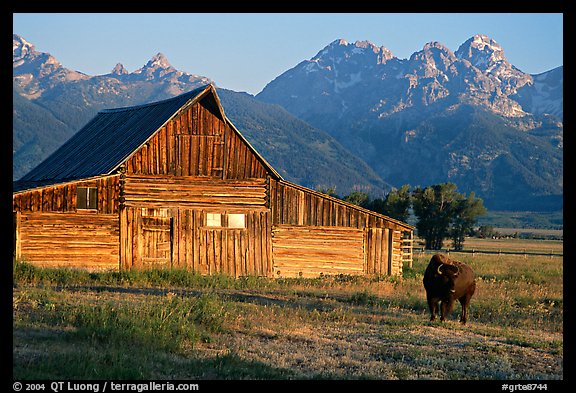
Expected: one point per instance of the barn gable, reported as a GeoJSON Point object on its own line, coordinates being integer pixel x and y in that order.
{"type": "Point", "coordinates": [125, 136]}
{"type": "Point", "coordinates": [199, 141]}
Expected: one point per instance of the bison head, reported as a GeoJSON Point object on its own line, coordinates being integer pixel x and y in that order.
{"type": "Point", "coordinates": [447, 275]}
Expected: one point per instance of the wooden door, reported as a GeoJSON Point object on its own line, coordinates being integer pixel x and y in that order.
{"type": "Point", "coordinates": [223, 251]}
{"type": "Point", "coordinates": [155, 242]}
{"type": "Point", "coordinates": [378, 251]}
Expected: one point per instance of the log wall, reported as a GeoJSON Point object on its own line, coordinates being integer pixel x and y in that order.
{"type": "Point", "coordinates": [378, 256]}
{"type": "Point", "coordinates": [305, 251]}
{"type": "Point", "coordinates": [62, 197]}
{"type": "Point", "coordinates": [296, 205]}
{"type": "Point", "coordinates": [79, 240]}
{"type": "Point", "coordinates": [397, 253]}
{"type": "Point", "coordinates": [50, 231]}
{"type": "Point", "coordinates": [293, 206]}
{"type": "Point", "coordinates": [172, 191]}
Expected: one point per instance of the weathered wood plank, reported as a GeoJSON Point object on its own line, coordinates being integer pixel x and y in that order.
{"type": "Point", "coordinates": [315, 250]}
{"type": "Point", "coordinates": [70, 238]}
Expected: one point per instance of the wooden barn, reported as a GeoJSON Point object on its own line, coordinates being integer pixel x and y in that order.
{"type": "Point", "coordinates": [173, 184]}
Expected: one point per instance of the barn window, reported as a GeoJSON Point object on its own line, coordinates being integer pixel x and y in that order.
{"type": "Point", "coordinates": [219, 220]}
{"type": "Point", "coordinates": [213, 220]}
{"type": "Point", "coordinates": [236, 221]}
{"type": "Point", "coordinates": [86, 197]}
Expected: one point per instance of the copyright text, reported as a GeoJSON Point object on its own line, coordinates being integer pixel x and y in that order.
{"type": "Point", "coordinates": [100, 387]}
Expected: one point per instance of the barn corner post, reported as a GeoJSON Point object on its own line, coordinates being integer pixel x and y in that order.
{"type": "Point", "coordinates": [390, 261]}
{"type": "Point", "coordinates": [123, 239]}
{"type": "Point", "coordinates": [16, 216]}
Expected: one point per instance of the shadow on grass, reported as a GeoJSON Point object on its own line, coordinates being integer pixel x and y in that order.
{"type": "Point", "coordinates": [78, 359]}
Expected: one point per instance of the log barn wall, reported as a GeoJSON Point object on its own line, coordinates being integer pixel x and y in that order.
{"type": "Point", "coordinates": [297, 205]}
{"type": "Point", "coordinates": [51, 231]}
{"type": "Point", "coordinates": [190, 192]}
{"type": "Point", "coordinates": [194, 246]}
{"type": "Point", "coordinates": [79, 240]}
{"type": "Point", "coordinates": [63, 197]}
{"type": "Point", "coordinates": [298, 214]}
{"type": "Point", "coordinates": [312, 251]}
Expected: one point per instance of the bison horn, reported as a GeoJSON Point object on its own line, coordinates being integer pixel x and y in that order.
{"type": "Point", "coordinates": [457, 271]}
{"type": "Point", "coordinates": [439, 266]}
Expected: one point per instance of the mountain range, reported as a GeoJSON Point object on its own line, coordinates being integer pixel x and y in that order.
{"type": "Point", "coordinates": [354, 116]}
{"type": "Point", "coordinates": [468, 117]}
{"type": "Point", "coordinates": [51, 103]}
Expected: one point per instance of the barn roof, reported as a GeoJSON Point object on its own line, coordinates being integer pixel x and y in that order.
{"type": "Point", "coordinates": [113, 136]}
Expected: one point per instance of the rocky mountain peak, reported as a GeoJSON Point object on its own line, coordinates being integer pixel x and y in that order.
{"type": "Point", "coordinates": [34, 72]}
{"type": "Point", "coordinates": [436, 45]}
{"type": "Point", "coordinates": [356, 47]}
{"type": "Point", "coordinates": [433, 61]}
{"type": "Point", "coordinates": [25, 52]}
{"type": "Point", "coordinates": [158, 61]}
{"type": "Point", "coordinates": [338, 42]}
{"type": "Point", "coordinates": [21, 47]}
{"type": "Point", "coordinates": [119, 69]}
{"type": "Point", "coordinates": [157, 67]}
{"type": "Point", "coordinates": [482, 51]}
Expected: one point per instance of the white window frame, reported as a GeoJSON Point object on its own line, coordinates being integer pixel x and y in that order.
{"type": "Point", "coordinates": [236, 221]}
{"type": "Point", "coordinates": [214, 220]}
{"type": "Point", "coordinates": [225, 220]}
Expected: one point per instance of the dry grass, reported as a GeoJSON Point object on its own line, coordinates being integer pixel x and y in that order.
{"type": "Point", "coordinates": [519, 245]}
{"type": "Point", "coordinates": [331, 328]}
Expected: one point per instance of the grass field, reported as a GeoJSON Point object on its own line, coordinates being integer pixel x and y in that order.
{"type": "Point", "coordinates": [176, 325]}
{"type": "Point", "coordinates": [519, 245]}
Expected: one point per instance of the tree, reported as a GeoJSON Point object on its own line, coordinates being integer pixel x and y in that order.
{"type": "Point", "coordinates": [359, 198]}
{"type": "Point", "coordinates": [398, 202]}
{"type": "Point", "coordinates": [330, 191]}
{"type": "Point", "coordinates": [466, 211]}
{"type": "Point", "coordinates": [487, 231]}
{"type": "Point", "coordinates": [435, 207]}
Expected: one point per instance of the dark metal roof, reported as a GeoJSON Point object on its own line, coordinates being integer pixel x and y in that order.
{"type": "Point", "coordinates": [105, 142]}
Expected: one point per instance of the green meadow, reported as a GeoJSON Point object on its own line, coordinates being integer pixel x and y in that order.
{"type": "Point", "coordinates": [71, 324]}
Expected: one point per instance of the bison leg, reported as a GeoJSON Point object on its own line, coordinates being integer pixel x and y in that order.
{"type": "Point", "coordinates": [465, 302]}
{"type": "Point", "coordinates": [445, 308]}
{"type": "Point", "coordinates": [433, 306]}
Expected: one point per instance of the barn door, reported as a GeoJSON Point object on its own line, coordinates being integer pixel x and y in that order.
{"type": "Point", "coordinates": [378, 251]}
{"type": "Point", "coordinates": [155, 242]}
{"type": "Point", "coordinates": [223, 251]}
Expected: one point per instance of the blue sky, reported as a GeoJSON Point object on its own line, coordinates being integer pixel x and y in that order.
{"type": "Point", "coordinates": [245, 51]}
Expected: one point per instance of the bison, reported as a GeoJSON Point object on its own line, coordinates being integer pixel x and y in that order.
{"type": "Point", "coordinates": [446, 280]}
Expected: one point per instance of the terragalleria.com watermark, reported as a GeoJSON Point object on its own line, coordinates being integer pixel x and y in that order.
{"type": "Point", "coordinates": [105, 386]}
